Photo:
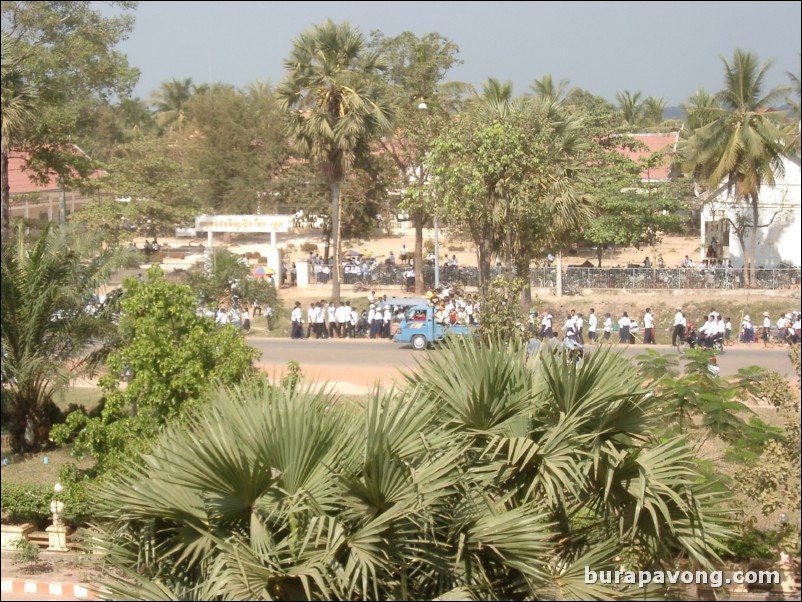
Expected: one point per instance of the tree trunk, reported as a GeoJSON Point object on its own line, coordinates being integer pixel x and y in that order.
{"type": "Point", "coordinates": [753, 242]}
{"type": "Point", "coordinates": [599, 253]}
{"type": "Point", "coordinates": [420, 285]}
{"type": "Point", "coordinates": [559, 288]}
{"type": "Point", "coordinates": [485, 255]}
{"type": "Point", "coordinates": [335, 231]}
{"type": "Point", "coordinates": [6, 208]}
{"type": "Point", "coordinates": [522, 266]}
{"type": "Point", "coordinates": [62, 202]}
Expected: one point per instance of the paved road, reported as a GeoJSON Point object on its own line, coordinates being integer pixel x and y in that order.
{"type": "Point", "coordinates": [363, 360]}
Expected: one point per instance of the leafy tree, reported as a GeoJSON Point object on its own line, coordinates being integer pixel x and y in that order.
{"type": "Point", "coordinates": [48, 331]}
{"type": "Point", "coordinates": [509, 175]}
{"type": "Point", "coordinates": [743, 145]}
{"type": "Point", "coordinates": [18, 98]}
{"type": "Point", "coordinates": [236, 147]}
{"type": "Point", "coordinates": [487, 477]}
{"type": "Point", "coordinates": [416, 68]}
{"type": "Point", "coordinates": [66, 52]}
{"type": "Point", "coordinates": [332, 111]}
{"type": "Point", "coordinates": [169, 359]}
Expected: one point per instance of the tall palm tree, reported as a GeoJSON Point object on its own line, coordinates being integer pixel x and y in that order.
{"type": "Point", "coordinates": [18, 98]}
{"type": "Point", "coordinates": [743, 144]}
{"type": "Point", "coordinates": [630, 106]}
{"type": "Point", "coordinates": [487, 477]}
{"type": "Point", "coordinates": [653, 109]}
{"type": "Point", "coordinates": [47, 331]}
{"type": "Point", "coordinates": [494, 91]}
{"type": "Point", "coordinates": [170, 101]}
{"type": "Point", "coordinates": [332, 111]}
{"type": "Point", "coordinates": [546, 88]}
{"type": "Point", "coordinates": [700, 109]}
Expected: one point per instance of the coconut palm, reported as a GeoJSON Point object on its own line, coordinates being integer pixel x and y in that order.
{"type": "Point", "coordinates": [49, 321]}
{"type": "Point", "coordinates": [488, 476]}
{"type": "Point", "coordinates": [630, 106]}
{"type": "Point", "coordinates": [700, 109]}
{"type": "Point", "coordinates": [653, 109]}
{"type": "Point", "coordinates": [546, 88]}
{"type": "Point", "coordinates": [743, 145]}
{"type": "Point", "coordinates": [170, 101]}
{"type": "Point", "coordinates": [332, 112]}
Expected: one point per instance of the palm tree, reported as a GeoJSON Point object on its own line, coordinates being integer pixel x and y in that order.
{"type": "Point", "coordinates": [653, 109]}
{"type": "Point", "coordinates": [700, 109]}
{"type": "Point", "coordinates": [545, 88]}
{"type": "Point", "coordinates": [17, 111]}
{"type": "Point", "coordinates": [630, 107]}
{"type": "Point", "coordinates": [488, 477]}
{"type": "Point", "coordinates": [46, 328]}
{"type": "Point", "coordinates": [742, 145]}
{"type": "Point", "coordinates": [495, 91]}
{"type": "Point", "coordinates": [170, 101]}
{"type": "Point", "coordinates": [332, 113]}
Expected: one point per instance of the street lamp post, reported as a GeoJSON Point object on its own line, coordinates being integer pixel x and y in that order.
{"type": "Point", "coordinates": [424, 107]}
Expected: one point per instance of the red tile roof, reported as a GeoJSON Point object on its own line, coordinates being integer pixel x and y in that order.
{"type": "Point", "coordinates": [19, 180]}
{"type": "Point", "coordinates": [654, 143]}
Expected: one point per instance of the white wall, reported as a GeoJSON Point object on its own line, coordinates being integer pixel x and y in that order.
{"type": "Point", "coordinates": [781, 242]}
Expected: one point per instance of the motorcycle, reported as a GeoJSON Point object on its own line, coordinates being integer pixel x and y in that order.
{"type": "Point", "coordinates": [692, 340]}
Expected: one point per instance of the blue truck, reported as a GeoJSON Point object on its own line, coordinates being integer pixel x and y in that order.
{"type": "Point", "coordinates": [421, 328]}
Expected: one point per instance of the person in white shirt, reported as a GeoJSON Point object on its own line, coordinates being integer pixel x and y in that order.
{"type": "Point", "coordinates": [623, 328]}
{"type": "Point", "coordinates": [608, 326]}
{"type": "Point", "coordinates": [592, 324]}
{"type": "Point", "coordinates": [747, 330]}
{"type": "Point", "coordinates": [569, 328]}
{"type": "Point", "coordinates": [579, 322]}
{"type": "Point", "coordinates": [766, 328]}
{"type": "Point", "coordinates": [297, 322]}
{"type": "Point", "coordinates": [648, 328]}
{"type": "Point", "coordinates": [546, 326]}
{"type": "Point", "coordinates": [679, 327]}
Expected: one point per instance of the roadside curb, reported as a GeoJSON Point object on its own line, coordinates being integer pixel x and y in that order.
{"type": "Point", "coordinates": [42, 588]}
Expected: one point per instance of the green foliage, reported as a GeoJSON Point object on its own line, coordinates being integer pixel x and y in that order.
{"type": "Point", "coordinates": [26, 502]}
{"type": "Point", "coordinates": [510, 177]}
{"type": "Point", "coordinates": [773, 480]}
{"type": "Point", "coordinates": [65, 50]}
{"type": "Point", "coordinates": [47, 330]}
{"type": "Point", "coordinates": [477, 480]}
{"type": "Point", "coordinates": [172, 355]}
{"type": "Point", "coordinates": [25, 552]}
{"type": "Point", "coordinates": [503, 323]}
{"type": "Point", "coordinates": [752, 542]}
{"type": "Point", "coordinates": [698, 393]}
{"type": "Point", "coordinates": [748, 448]}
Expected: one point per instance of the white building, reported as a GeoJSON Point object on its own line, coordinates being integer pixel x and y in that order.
{"type": "Point", "coordinates": [779, 242]}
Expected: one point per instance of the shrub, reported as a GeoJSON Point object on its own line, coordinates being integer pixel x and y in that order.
{"type": "Point", "coordinates": [25, 552]}
{"type": "Point", "coordinates": [752, 543]}
{"type": "Point", "coordinates": [26, 502]}
{"type": "Point", "coordinates": [308, 247]}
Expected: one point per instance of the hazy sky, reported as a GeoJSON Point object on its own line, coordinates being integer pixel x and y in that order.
{"type": "Point", "coordinates": [662, 49]}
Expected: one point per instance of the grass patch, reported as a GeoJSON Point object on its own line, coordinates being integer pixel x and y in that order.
{"type": "Point", "coordinates": [31, 468]}
{"type": "Point", "coordinates": [88, 397]}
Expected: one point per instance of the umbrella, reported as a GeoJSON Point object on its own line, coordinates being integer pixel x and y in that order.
{"type": "Point", "coordinates": [261, 271]}
{"type": "Point", "coordinates": [352, 253]}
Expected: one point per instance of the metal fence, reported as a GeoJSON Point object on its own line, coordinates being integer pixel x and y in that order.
{"type": "Point", "coordinates": [576, 279]}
